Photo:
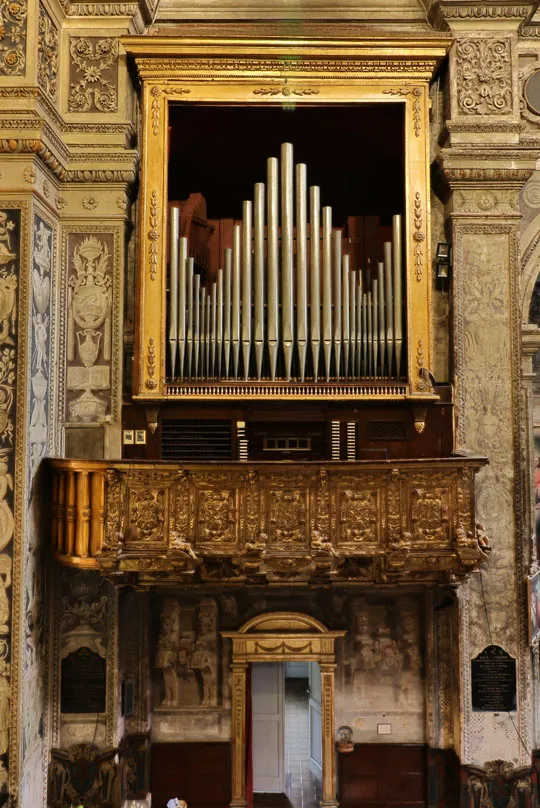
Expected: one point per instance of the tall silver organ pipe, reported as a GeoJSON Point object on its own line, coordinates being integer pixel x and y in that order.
{"type": "Point", "coordinates": [337, 299]}
{"type": "Point", "coordinates": [258, 249]}
{"type": "Point", "coordinates": [189, 331]}
{"type": "Point", "coordinates": [315, 275]}
{"type": "Point", "coordinates": [327, 288]}
{"type": "Point", "coordinates": [346, 320]}
{"type": "Point", "coordinates": [396, 256]}
{"type": "Point", "coordinates": [273, 264]}
{"type": "Point", "coordinates": [174, 235]}
{"type": "Point", "coordinates": [246, 285]}
{"type": "Point", "coordinates": [301, 267]}
{"type": "Point", "coordinates": [287, 280]}
{"type": "Point", "coordinates": [182, 260]}
{"type": "Point", "coordinates": [236, 254]}
{"type": "Point", "coordinates": [227, 301]}
{"type": "Point", "coordinates": [287, 247]}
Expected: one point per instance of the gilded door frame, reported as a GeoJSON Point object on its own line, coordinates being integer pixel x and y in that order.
{"type": "Point", "coordinates": [282, 637]}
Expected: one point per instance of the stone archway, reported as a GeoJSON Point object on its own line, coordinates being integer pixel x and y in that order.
{"type": "Point", "coordinates": [282, 637]}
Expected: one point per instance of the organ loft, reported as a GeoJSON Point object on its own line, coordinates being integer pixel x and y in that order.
{"type": "Point", "coordinates": [269, 311]}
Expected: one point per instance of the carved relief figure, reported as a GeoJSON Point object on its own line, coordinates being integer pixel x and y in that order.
{"type": "Point", "coordinates": [89, 310]}
{"type": "Point", "coordinates": [167, 650]}
{"type": "Point", "coordinates": [288, 516]}
{"type": "Point", "coordinates": [217, 516]}
{"type": "Point", "coordinates": [358, 516]}
{"type": "Point", "coordinates": [39, 359]}
{"type": "Point", "coordinates": [205, 654]}
{"type": "Point", "coordinates": [147, 514]}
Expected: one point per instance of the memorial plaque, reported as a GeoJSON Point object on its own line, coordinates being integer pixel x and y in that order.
{"type": "Point", "coordinates": [83, 682]}
{"type": "Point", "coordinates": [493, 680]}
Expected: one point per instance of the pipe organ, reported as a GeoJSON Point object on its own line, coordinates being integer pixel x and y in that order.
{"type": "Point", "coordinates": [285, 302]}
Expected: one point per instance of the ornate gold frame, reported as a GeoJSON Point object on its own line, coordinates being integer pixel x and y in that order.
{"type": "Point", "coordinates": [282, 637]}
{"type": "Point", "coordinates": [265, 72]}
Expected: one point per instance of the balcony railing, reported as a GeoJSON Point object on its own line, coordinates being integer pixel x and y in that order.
{"type": "Point", "coordinates": [145, 522]}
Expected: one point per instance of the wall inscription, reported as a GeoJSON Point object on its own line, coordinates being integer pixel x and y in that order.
{"type": "Point", "coordinates": [83, 682]}
{"type": "Point", "coordinates": [493, 675]}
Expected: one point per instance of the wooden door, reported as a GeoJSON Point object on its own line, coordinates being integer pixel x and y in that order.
{"type": "Point", "coordinates": [268, 733]}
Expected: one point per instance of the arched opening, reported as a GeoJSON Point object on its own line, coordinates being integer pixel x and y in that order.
{"type": "Point", "coordinates": [282, 637]}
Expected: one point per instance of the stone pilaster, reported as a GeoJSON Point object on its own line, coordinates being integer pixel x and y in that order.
{"type": "Point", "coordinates": [486, 164]}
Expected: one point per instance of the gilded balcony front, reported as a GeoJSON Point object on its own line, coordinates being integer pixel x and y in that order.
{"type": "Point", "coordinates": [385, 521]}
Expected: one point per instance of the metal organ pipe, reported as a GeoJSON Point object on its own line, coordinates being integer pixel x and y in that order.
{"type": "Point", "coordinates": [246, 285]}
{"type": "Point", "coordinates": [301, 267]}
{"type": "Point", "coordinates": [315, 275]}
{"type": "Point", "coordinates": [174, 234]}
{"type": "Point", "coordinates": [327, 288]}
{"type": "Point", "coordinates": [287, 321]}
{"type": "Point", "coordinates": [258, 248]}
{"type": "Point", "coordinates": [287, 280]}
{"type": "Point", "coordinates": [273, 263]}
{"type": "Point", "coordinates": [227, 312]}
{"type": "Point", "coordinates": [237, 237]}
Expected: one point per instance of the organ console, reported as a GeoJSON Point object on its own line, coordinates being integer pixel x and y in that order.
{"type": "Point", "coordinates": [284, 302]}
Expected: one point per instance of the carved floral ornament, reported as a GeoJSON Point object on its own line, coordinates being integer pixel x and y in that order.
{"type": "Point", "coordinates": [484, 76]}
{"type": "Point", "coordinates": [93, 74]}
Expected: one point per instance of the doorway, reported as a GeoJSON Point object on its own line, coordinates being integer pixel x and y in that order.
{"type": "Point", "coordinates": [287, 734]}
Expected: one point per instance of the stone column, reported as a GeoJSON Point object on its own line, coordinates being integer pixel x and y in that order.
{"type": "Point", "coordinates": [485, 166]}
{"type": "Point", "coordinates": [239, 670]}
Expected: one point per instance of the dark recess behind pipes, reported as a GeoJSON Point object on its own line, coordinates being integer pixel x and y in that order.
{"type": "Point", "coordinates": [355, 153]}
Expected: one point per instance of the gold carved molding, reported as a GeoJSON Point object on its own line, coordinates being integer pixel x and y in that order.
{"type": "Point", "coordinates": [280, 637]}
{"type": "Point", "coordinates": [258, 522]}
{"type": "Point", "coordinates": [269, 71]}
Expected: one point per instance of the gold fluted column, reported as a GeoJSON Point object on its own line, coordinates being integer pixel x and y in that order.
{"type": "Point", "coordinates": [328, 799]}
{"type": "Point", "coordinates": [238, 734]}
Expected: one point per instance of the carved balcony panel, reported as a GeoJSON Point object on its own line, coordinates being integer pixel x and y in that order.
{"type": "Point", "coordinates": [385, 521]}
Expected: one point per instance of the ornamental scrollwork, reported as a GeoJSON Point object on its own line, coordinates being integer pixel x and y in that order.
{"type": "Point", "coordinates": [484, 76]}
{"type": "Point", "coordinates": [93, 74]}
{"type": "Point", "coordinates": [13, 33]}
{"type": "Point", "coordinates": [47, 53]}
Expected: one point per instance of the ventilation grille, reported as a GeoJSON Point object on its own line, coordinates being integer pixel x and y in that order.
{"type": "Point", "coordinates": [196, 440]}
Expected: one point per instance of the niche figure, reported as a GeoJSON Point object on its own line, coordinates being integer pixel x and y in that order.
{"type": "Point", "coordinates": [205, 654]}
{"type": "Point", "coordinates": [167, 650]}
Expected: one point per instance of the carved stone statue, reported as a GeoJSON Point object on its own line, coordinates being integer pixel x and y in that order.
{"type": "Point", "coordinates": [205, 654]}
{"type": "Point", "coordinates": [167, 650]}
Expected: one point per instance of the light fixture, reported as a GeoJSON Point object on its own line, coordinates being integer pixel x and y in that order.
{"type": "Point", "coordinates": [443, 260]}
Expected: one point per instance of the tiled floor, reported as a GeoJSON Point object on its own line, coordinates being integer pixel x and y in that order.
{"type": "Point", "coordinates": [302, 788]}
